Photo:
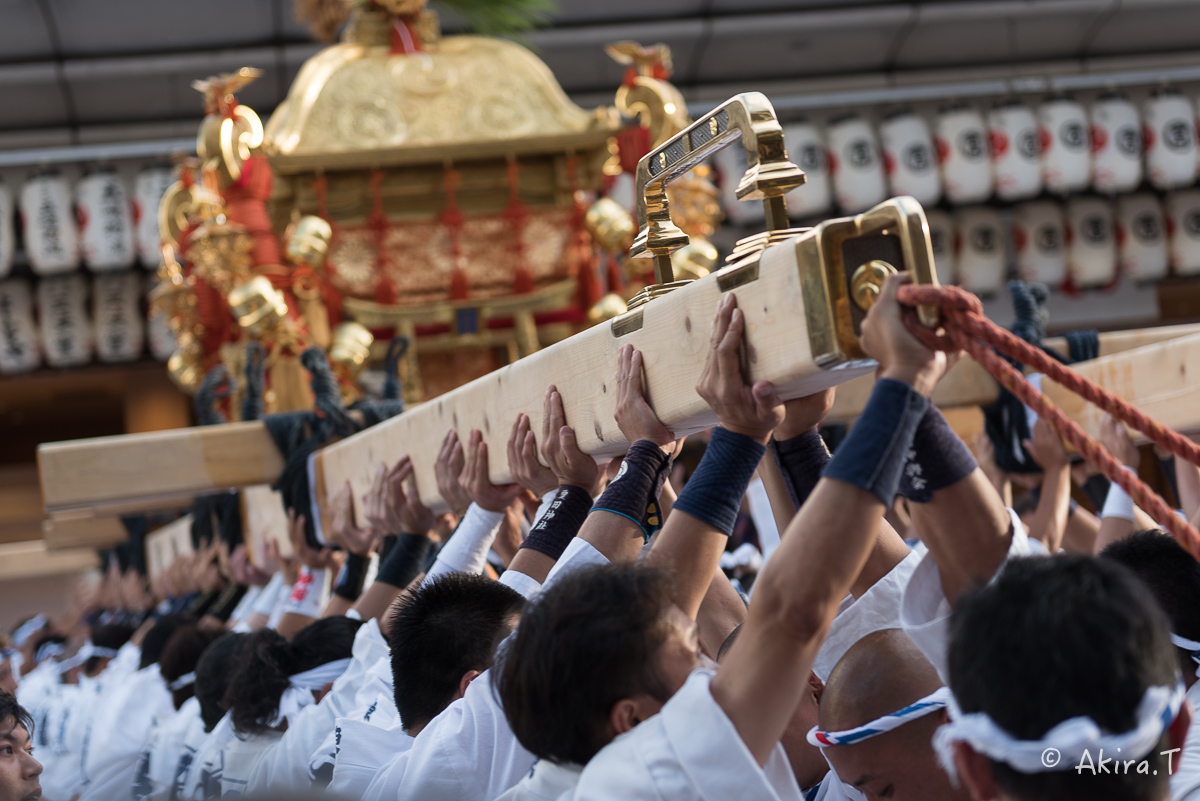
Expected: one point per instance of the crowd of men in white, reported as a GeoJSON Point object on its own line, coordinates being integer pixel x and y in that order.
{"type": "Point", "coordinates": [613, 658]}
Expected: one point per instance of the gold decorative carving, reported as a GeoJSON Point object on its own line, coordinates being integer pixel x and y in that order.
{"type": "Point", "coordinates": [465, 90]}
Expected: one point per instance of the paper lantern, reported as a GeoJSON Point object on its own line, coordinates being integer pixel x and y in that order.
{"type": "Point", "coordinates": [148, 189]}
{"type": "Point", "coordinates": [1170, 133]}
{"type": "Point", "coordinates": [8, 236]}
{"type": "Point", "coordinates": [807, 150]}
{"type": "Point", "coordinates": [982, 262]}
{"type": "Point", "coordinates": [941, 240]}
{"type": "Point", "coordinates": [1066, 157]}
{"type": "Point", "coordinates": [909, 158]}
{"type": "Point", "coordinates": [1016, 152]}
{"type": "Point", "coordinates": [1183, 231]}
{"type": "Point", "coordinates": [62, 312]}
{"type": "Point", "coordinates": [117, 312]}
{"type": "Point", "coordinates": [158, 328]}
{"type": "Point", "coordinates": [962, 145]}
{"type": "Point", "coordinates": [731, 166]}
{"type": "Point", "coordinates": [1116, 145]}
{"type": "Point", "coordinates": [48, 222]}
{"type": "Point", "coordinates": [20, 350]}
{"type": "Point", "coordinates": [1091, 243]}
{"type": "Point", "coordinates": [105, 222]}
{"type": "Point", "coordinates": [1039, 239]}
{"type": "Point", "coordinates": [1141, 237]}
{"type": "Point", "coordinates": [855, 164]}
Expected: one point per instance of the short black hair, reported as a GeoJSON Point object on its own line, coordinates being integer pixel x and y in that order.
{"type": "Point", "coordinates": [1055, 638]}
{"type": "Point", "coordinates": [11, 710]}
{"type": "Point", "coordinates": [1172, 575]}
{"type": "Point", "coordinates": [213, 671]}
{"type": "Point", "coordinates": [180, 655]}
{"type": "Point", "coordinates": [449, 626]}
{"type": "Point", "coordinates": [588, 641]}
{"type": "Point", "coordinates": [107, 635]}
{"type": "Point", "coordinates": [266, 662]}
{"type": "Point", "coordinates": [156, 638]}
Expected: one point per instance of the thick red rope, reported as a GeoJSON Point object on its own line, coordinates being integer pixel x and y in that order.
{"type": "Point", "coordinates": [966, 328]}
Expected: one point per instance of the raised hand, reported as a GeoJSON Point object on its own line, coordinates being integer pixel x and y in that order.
{"type": "Point", "coordinates": [634, 416]}
{"type": "Point", "coordinates": [1046, 448]}
{"type": "Point", "coordinates": [301, 550]}
{"type": "Point", "coordinates": [476, 481]}
{"type": "Point", "coordinates": [523, 462]}
{"type": "Point", "coordinates": [901, 356]}
{"type": "Point", "coordinates": [344, 531]}
{"type": "Point", "coordinates": [1116, 439]}
{"type": "Point", "coordinates": [804, 414]}
{"type": "Point", "coordinates": [753, 411]}
{"type": "Point", "coordinates": [560, 449]}
{"type": "Point", "coordinates": [447, 469]}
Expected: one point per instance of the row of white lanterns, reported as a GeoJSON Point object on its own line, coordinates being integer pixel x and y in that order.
{"type": "Point", "coordinates": [69, 320]}
{"type": "Point", "coordinates": [1085, 242]}
{"type": "Point", "coordinates": [1011, 153]}
{"type": "Point", "coordinates": [96, 223]}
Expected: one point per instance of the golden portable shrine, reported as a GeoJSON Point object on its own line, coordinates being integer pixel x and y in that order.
{"type": "Point", "coordinates": [443, 190]}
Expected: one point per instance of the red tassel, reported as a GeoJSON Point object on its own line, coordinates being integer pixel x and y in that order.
{"type": "Point", "coordinates": [452, 218]}
{"type": "Point", "coordinates": [385, 290]}
{"type": "Point", "coordinates": [516, 215]}
{"type": "Point", "coordinates": [633, 142]}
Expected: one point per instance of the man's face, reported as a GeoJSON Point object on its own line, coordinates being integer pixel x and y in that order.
{"type": "Point", "coordinates": [19, 771]}
{"type": "Point", "coordinates": [898, 765]}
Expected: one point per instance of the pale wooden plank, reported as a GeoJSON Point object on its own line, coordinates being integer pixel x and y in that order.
{"type": "Point", "coordinates": [24, 560]}
{"type": "Point", "coordinates": [164, 544]}
{"type": "Point", "coordinates": [674, 341]}
{"type": "Point", "coordinates": [1162, 380]}
{"type": "Point", "coordinates": [83, 530]}
{"type": "Point", "coordinates": [157, 465]}
{"type": "Point", "coordinates": [264, 518]}
{"type": "Point", "coordinates": [968, 384]}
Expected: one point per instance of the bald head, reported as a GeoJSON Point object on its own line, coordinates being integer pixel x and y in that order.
{"type": "Point", "coordinates": [882, 672]}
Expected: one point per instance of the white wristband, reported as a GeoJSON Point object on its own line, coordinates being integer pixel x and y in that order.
{"type": "Point", "coordinates": [1118, 503]}
{"type": "Point", "coordinates": [466, 550]}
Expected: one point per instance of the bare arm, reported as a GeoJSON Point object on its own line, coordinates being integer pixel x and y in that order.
{"type": "Point", "coordinates": [689, 547]}
{"type": "Point", "coordinates": [1049, 523]}
{"type": "Point", "coordinates": [1119, 517]}
{"type": "Point", "coordinates": [721, 611]}
{"type": "Point", "coordinates": [825, 548]}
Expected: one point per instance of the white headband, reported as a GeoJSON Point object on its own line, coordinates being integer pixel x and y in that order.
{"type": "Point", "coordinates": [1064, 746]}
{"type": "Point", "coordinates": [918, 709]}
{"type": "Point", "coordinates": [48, 651]}
{"type": "Point", "coordinates": [28, 629]}
{"type": "Point", "coordinates": [86, 652]}
{"type": "Point", "coordinates": [299, 693]}
{"type": "Point", "coordinates": [321, 675]}
{"type": "Point", "coordinates": [183, 681]}
{"type": "Point", "coordinates": [1188, 645]}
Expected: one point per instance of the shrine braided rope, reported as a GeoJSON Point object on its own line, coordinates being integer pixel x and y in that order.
{"type": "Point", "coordinates": [966, 328]}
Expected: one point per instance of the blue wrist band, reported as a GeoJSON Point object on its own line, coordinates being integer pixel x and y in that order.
{"type": "Point", "coordinates": [634, 492]}
{"type": "Point", "coordinates": [714, 492]}
{"type": "Point", "coordinates": [936, 460]}
{"type": "Point", "coordinates": [801, 460]}
{"type": "Point", "coordinates": [553, 532]}
{"type": "Point", "coordinates": [872, 455]}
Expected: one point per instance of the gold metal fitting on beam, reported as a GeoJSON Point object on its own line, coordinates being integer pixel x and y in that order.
{"type": "Point", "coordinates": [257, 305]}
{"type": "Point", "coordinates": [867, 281]}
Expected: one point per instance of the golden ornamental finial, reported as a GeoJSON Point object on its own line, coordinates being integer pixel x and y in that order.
{"type": "Point", "coordinates": [653, 61]}
{"type": "Point", "coordinates": [220, 90]}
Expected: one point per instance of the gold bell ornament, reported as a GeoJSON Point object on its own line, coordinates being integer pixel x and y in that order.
{"type": "Point", "coordinates": [307, 245]}
{"type": "Point", "coordinates": [258, 306]}
{"type": "Point", "coordinates": [349, 354]}
{"type": "Point", "coordinates": [611, 226]}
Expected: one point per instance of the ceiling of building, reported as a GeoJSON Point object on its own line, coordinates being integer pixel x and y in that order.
{"type": "Point", "coordinates": [78, 71]}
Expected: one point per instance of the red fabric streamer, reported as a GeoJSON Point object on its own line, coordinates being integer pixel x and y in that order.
{"type": "Point", "coordinates": [405, 39]}
{"type": "Point", "coordinates": [580, 252]}
{"type": "Point", "coordinates": [246, 205]}
{"type": "Point", "coordinates": [633, 142]}
{"type": "Point", "coordinates": [966, 328]}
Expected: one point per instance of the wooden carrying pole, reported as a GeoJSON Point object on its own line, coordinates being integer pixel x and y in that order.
{"type": "Point", "coordinates": [968, 384]}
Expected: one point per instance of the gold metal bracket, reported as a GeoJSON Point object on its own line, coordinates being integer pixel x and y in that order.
{"type": "Point", "coordinates": [769, 174]}
{"type": "Point", "coordinates": [867, 281]}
